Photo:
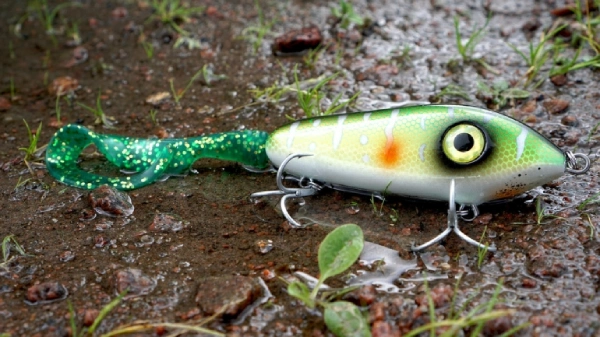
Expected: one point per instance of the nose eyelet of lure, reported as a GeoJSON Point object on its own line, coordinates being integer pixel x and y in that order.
{"type": "Point", "coordinates": [573, 164]}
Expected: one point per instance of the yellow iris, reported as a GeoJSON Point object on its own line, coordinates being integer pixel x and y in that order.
{"type": "Point", "coordinates": [463, 143]}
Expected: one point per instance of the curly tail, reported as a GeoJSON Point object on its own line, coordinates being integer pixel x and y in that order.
{"type": "Point", "coordinates": [149, 159]}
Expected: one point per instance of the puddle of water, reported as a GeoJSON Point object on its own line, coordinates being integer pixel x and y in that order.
{"type": "Point", "coordinates": [386, 267]}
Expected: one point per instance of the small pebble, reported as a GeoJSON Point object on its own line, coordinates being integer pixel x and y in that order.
{"type": "Point", "coordinates": [483, 219]}
{"type": "Point", "coordinates": [529, 283]}
{"type": "Point", "coordinates": [119, 12]}
{"type": "Point", "coordinates": [89, 316]}
{"type": "Point", "coordinates": [569, 120]}
{"type": "Point", "coordinates": [264, 246]}
{"type": "Point", "coordinates": [297, 40]}
{"type": "Point", "coordinates": [134, 281]}
{"type": "Point", "coordinates": [559, 80]}
{"type": "Point", "coordinates": [107, 200]}
{"type": "Point", "coordinates": [166, 223]}
{"type": "Point", "coordinates": [158, 98]}
{"type": "Point", "coordinates": [227, 295]}
{"type": "Point", "coordinates": [556, 105]}
{"type": "Point", "coordinates": [61, 86]}
{"type": "Point", "coordinates": [47, 292]}
{"type": "Point", "coordinates": [67, 256]}
{"type": "Point", "coordinates": [4, 104]}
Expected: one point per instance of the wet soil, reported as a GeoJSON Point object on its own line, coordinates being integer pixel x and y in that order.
{"type": "Point", "coordinates": [208, 227]}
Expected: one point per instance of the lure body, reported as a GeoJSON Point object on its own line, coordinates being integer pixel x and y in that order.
{"type": "Point", "coordinates": [401, 151]}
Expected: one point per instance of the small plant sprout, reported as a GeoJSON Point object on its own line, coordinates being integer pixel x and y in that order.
{"type": "Point", "coordinates": [458, 321]}
{"type": "Point", "coordinates": [178, 94]}
{"type": "Point", "coordinates": [394, 216]}
{"type": "Point", "coordinates": [451, 90]}
{"type": "Point", "coordinates": [482, 250]}
{"type": "Point", "coordinates": [57, 111]}
{"type": "Point", "coordinates": [376, 210]}
{"type": "Point", "coordinates": [209, 75]}
{"type": "Point", "coordinates": [20, 183]}
{"type": "Point", "coordinates": [186, 41]}
{"type": "Point", "coordinates": [310, 100]}
{"type": "Point", "coordinates": [13, 91]}
{"type": "Point", "coordinates": [466, 50]}
{"type": "Point", "coordinates": [101, 118]}
{"type": "Point", "coordinates": [148, 46]}
{"type": "Point", "coordinates": [153, 116]}
{"type": "Point", "coordinates": [540, 212]}
{"type": "Point", "coordinates": [32, 151]}
{"type": "Point", "coordinates": [346, 15]}
{"type": "Point", "coordinates": [585, 27]}
{"type": "Point", "coordinates": [179, 328]}
{"type": "Point", "coordinates": [270, 94]}
{"type": "Point", "coordinates": [73, 33]}
{"type": "Point", "coordinates": [256, 33]}
{"type": "Point", "coordinates": [562, 65]}
{"type": "Point", "coordinates": [103, 313]}
{"type": "Point", "coordinates": [537, 55]}
{"type": "Point", "coordinates": [10, 243]}
{"type": "Point", "coordinates": [589, 200]}
{"type": "Point", "coordinates": [11, 50]}
{"type": "Point", "coordinates": [47, 15]}
{"type": "Point", "coordinates": [313, 55]}
{"type": "Point", "coordinates": [338, 251]}
{"type": "Point", "coordinates": [173, 13]}
{"type": "Point", "coordinates": [148, 49]}
{"type": "Point", "coordinates": [500, 94]}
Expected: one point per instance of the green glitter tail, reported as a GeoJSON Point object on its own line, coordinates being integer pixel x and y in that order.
{"type": "Point", "coordinates": [149, 159]}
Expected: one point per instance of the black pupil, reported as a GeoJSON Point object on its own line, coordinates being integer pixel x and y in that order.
{"type": "Point", "coordinates": [463, 142]}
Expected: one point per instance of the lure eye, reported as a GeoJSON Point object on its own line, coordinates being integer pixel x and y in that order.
{"type": "Point", "coordinates": [464, 144]}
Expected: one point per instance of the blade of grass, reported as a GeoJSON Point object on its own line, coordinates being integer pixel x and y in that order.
{"type": "Point", "coordinates": [105, 311]}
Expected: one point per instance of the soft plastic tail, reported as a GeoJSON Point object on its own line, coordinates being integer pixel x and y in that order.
{"type": "Point", "coordinates": [150, 159]}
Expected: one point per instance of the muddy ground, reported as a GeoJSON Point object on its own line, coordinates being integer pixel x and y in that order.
{"type": "Point", "coordinates": [189, 236]}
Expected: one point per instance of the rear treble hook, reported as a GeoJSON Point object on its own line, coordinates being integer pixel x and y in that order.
{"type": "Point", "coordinates": [310, 188]}
{"type": "Point", "coordinates": [453, 216]}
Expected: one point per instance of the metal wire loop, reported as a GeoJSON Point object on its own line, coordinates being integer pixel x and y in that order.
{"type": "Point", "coordinates": [465, 210]}
{"type": "Point", "coordinates": [577, 163]}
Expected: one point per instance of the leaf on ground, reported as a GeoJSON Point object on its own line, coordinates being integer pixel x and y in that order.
{"type": "Point", "coordinates": [344, 319]}
{"type": "Point", "coordinates": [340, 249]}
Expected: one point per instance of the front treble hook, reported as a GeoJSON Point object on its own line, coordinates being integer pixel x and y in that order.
{"type": "Point", "coordinates": [311, 188]}
{"type": "Point", "coordinates": [453, 216]}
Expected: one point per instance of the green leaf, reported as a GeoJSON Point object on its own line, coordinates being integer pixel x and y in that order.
{"type": "Point", "coordinates": [300, 291]}
{"type": "Point", "coordinates": [339, 250]}
{"type": "Point", "coordinates": [344, 319]}
{"type": "Point", "coordinates": [516, 93]}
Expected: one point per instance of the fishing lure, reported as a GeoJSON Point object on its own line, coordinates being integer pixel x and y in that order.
{"type": "Point", "coordinates": [451, 153]}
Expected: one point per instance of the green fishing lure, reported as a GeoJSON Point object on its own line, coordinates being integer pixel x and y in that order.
{"type": "Point", "coordinates": [454, 153]}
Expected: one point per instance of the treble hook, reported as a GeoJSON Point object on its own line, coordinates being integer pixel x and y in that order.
{"type": "Point", "coordinates": [453, 216]}
{"type": "Point", "coordinates": [311, 188]}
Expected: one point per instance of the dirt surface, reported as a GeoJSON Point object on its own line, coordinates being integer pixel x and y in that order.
{"type": "Point", "coordinates": [189, 235]}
